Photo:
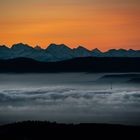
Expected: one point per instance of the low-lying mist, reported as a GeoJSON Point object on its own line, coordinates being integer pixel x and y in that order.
{"type": "Point", "coordinates": [70, 98]}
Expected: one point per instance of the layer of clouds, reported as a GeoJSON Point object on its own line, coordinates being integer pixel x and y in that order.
{"type": "Point", "coordinates": [71, 104]}
{"type": "Point", "coordinates": [63, 95]}
{"type": "Point", "coordinates": [69, 98]}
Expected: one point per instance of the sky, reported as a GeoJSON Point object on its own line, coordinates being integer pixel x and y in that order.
{"type": "Point", "coordinates": [102, 24]}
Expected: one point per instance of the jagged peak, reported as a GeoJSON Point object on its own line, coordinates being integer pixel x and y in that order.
{"type": "Point", "coordinates": [20, 45]}
{"type": "Point", "coordinates": [112, 50]}
{"type": "Point", "coordinates": [37, 47]}
{"type": "Point", "coordinates": [82, 48]}
{"type": "Point", "coordinates": [96, 50]}
{"type": "Point", "coordinates": [55, 46]}
{"type": "Point", "coordinates": [121, 49]}
{"type": "Point", "coordinates": [131, 50]}
{"type": "Point", "coordinates": [3, 47]}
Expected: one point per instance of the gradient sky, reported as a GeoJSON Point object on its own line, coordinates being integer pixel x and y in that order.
{"type": "Point", "coordinates": [102, 24]}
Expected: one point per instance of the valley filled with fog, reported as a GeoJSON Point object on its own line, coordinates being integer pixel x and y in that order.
{"type": "Point", "coordinates": [71, 97]}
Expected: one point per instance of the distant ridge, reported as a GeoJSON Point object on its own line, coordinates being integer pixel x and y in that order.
{"type": "Point", "coordinates": [81, 64]}
{"type": "Point", "coordinates": [60, 52]}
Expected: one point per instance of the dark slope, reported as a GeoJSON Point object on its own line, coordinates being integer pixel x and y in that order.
{"type": "Point", "coordinates": [36, 130]}
{"type": "Point", "coordinates": [86, 64]}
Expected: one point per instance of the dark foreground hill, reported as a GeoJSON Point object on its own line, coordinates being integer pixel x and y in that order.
{"type": "Point", "coordinates": [85, 64]}
{"type": "Point", "coordinates": [36, 130]}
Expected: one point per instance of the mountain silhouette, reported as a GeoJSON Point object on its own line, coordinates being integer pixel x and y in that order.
{"type": "Point", "coordinates": [81, 64]}
{"type": "Point", "coordinates": [60, 52]}
{"type": "Point", "coordinates": [81, 52]}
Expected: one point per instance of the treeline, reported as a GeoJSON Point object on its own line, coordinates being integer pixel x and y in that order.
{"type": "Point", "coordinates": [37, 130]}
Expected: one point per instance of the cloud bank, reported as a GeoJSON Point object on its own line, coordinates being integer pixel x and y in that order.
{"type": "Point", "coordinates": [71, 104]}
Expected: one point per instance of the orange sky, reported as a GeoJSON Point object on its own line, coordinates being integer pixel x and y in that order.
{"type": "Point", "coordinates": [102, 24]}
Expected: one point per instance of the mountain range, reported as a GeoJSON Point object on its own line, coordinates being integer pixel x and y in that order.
{"type": "Point", "coordinates": [60, 52]}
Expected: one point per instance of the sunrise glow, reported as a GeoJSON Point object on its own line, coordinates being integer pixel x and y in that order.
{"type": "Point", "coordinates": [102, 24]}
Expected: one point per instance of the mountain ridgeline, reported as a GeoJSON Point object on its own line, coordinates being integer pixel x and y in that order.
{"type": "Point", "coordinates": [84, 64]}
{"type": "Point", "coordinates": [60, 52]}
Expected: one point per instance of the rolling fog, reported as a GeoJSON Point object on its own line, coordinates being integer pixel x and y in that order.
{"type": "Point", "coordinates": [70, 98]}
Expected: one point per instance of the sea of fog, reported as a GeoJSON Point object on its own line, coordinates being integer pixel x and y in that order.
{"type": "Point", "coordinates": [70, 98]}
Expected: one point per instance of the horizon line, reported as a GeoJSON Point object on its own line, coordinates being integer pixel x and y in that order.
{"type": "Point", "coordinates": [59, 44]}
